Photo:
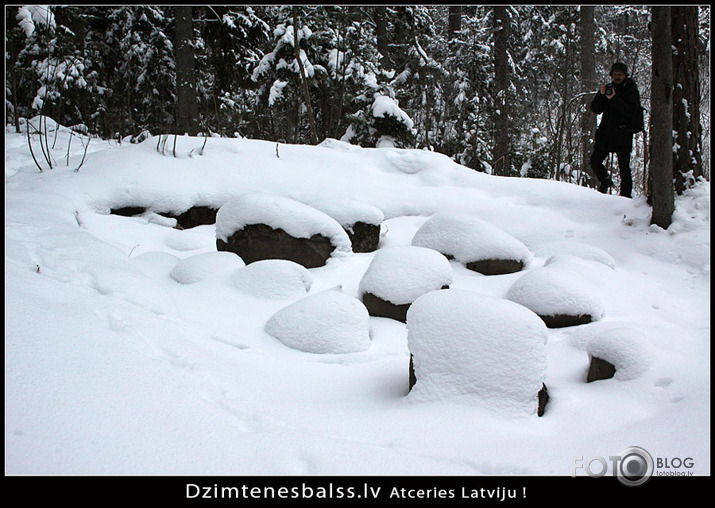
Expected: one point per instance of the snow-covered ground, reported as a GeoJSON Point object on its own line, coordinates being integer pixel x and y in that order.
{"type": "Point", "coordinates": [134, 348]}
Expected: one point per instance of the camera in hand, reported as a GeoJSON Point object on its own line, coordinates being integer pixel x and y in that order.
{"type": "Point", "coordinates": [609, 89]}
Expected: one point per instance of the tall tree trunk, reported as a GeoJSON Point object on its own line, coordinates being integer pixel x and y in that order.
{"type": "Point", "coordinates": [304, 80]}
{"type": "Point", "coordinates": [686, 96]}
{"type": "Point", "coordinates": [562, 121]}
{"type": "Point", "coordinates": [661, 107]}
{"type": "Point", "coordinates": [455, 20]}
{"type": "Point", "coordinates": [334, 127]}
{"type": "Point", "coordinates": [501, 157]}
{"type": "Point", "coordinates": [588, 84]}
{"type": "Point", "coordinates": [381, 32]}
{"type": "Point", "coordinates": [187, 106]}
{"type": "Point", "coordinates": [16, 113]}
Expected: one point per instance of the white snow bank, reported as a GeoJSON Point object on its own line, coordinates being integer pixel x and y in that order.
{"type": "Point", "coordinates": [326, 322]}
{"type": "Point", "coordinates": [469, 239]}
{"type": "Point", "coordinates": [347, 212]}
{"type": "Point", "coordinates": [295, 218]}
{"type": "Point", "coordinates": [401, 274]}
{"type": "Point", "coordinates": [209, 264]}
{"type": "Point", "coordinates": [625, 348]}
{"type": "Point", "coordinates": [114, 368]}
{"type": "Point", "coordinates": [473, 348]}
{"type": "Point", "coordinates": [578, 249]}
{"type": "Point", "coordinates": [556, 289]}
{"type": "Point", "coordinates": [273, 279]}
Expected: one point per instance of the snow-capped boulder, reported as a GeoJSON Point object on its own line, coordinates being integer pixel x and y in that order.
{"type": "Point", "coordinates": [397, 276]}
{"type": "Point", "coordinates": [578, 249]}
{"type": "Point", "coordinates": [477, 349]}
{"type": "Point", "coordinates": [618, 352]}
{"type": "Point", "coordinates": [273, 279]}
{"type": "Point", "coordinates": [262, 226]}
{"type": "Point", "coordinates": [558, 294]}
{"type": "Point", "coordinates": [326, 322]}
{"type": "Point", "coordinates": [360, 221]}
{"type": "Point", "coordinates": [209, 264]}
{"type": "Point", "coordinates": [475, 243]}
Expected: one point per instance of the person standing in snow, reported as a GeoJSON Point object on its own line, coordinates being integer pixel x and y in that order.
{"type": "Point", "coordinates": [620, 103]}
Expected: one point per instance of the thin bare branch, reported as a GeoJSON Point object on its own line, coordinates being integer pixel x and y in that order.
{"type": "Point", "coordinates": [29, 144]}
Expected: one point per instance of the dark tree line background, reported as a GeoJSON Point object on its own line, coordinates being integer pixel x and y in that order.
{"type": "Point", "coordinates": [502, 89]}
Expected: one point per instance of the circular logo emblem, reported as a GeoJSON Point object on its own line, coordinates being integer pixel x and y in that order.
{"type": "Point", "coordinates": [635, 467]}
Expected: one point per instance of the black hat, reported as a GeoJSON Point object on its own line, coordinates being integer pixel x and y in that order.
{"type": "Point", "coordinates": [619, 66]}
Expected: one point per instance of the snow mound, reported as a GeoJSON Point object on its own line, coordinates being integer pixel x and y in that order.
{"type": "Point", "coordinates": [474, 348]}
{"type": "Point", "coordinates": [295, 218]}
{"type": "Point", "coordinates": [348, 212]}
{"type": "Point", "coordinates": [556, 290]}
{"type": "Point", "coordinates": [155, 262]}
{"type": "Point", "coordinates": [184, 241]}
{"type": "Point", "coordinates": [469, 239]}
{"type": "Point", "coordinates": [578, 249]}
{"type": "Point", "coordinates": [335, 144]}
{"type": "Point", "coordinates": [326, 322]}
{"type": "Point", "coordinates": [401, 274]}
{"type": "Point", "coordinates": [624, 348]}
{"type": "Point", "coordinates": [409, 162]}
{"type": "Point", "coordinates": [43, 123]}
{"type": "Point", "coordinates": [273, 279]}
{"type": "Point", "coordinates": [201, 266]}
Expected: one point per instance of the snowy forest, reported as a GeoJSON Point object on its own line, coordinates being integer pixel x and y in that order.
{"type": "Point", "coordinates": [500, 89]}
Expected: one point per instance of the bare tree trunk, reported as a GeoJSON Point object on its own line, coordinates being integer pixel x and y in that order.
{"type": "Point", "coordinates": [455, 20]}
{"type": "Point", "coordinates": [304, 80]}
{"type": "Point", "coordinates": [560, 131]}
{"type": "Point", "coordinates": [686, 96]}
{"type": "Point", "coordinates": [333, 127]}
{"type": "Point", "coordinates": [428, 106]}
{"type": "Point", "coordinates": [588, 83]}
{"type": "Point", "coordinates": [501, 156]}
{"type": "Point", "coordinates": [381, 31]}
{"type": "Point", "coordinates": [187, 106]}
{"type": "Point", "coordinates": [13, 75]}
{"type": "Point", "coordinates": [661, 147]}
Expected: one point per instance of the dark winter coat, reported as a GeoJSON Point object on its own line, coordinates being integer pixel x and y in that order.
{"type": "Point", "coordinates": [615, 129]}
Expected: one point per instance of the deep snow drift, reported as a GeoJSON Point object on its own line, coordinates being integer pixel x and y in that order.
{"type": "Point", "coordinates": [133, 347]}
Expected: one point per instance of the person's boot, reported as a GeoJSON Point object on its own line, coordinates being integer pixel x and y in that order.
{"type": "Point", "coordinates": [605, 185]}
